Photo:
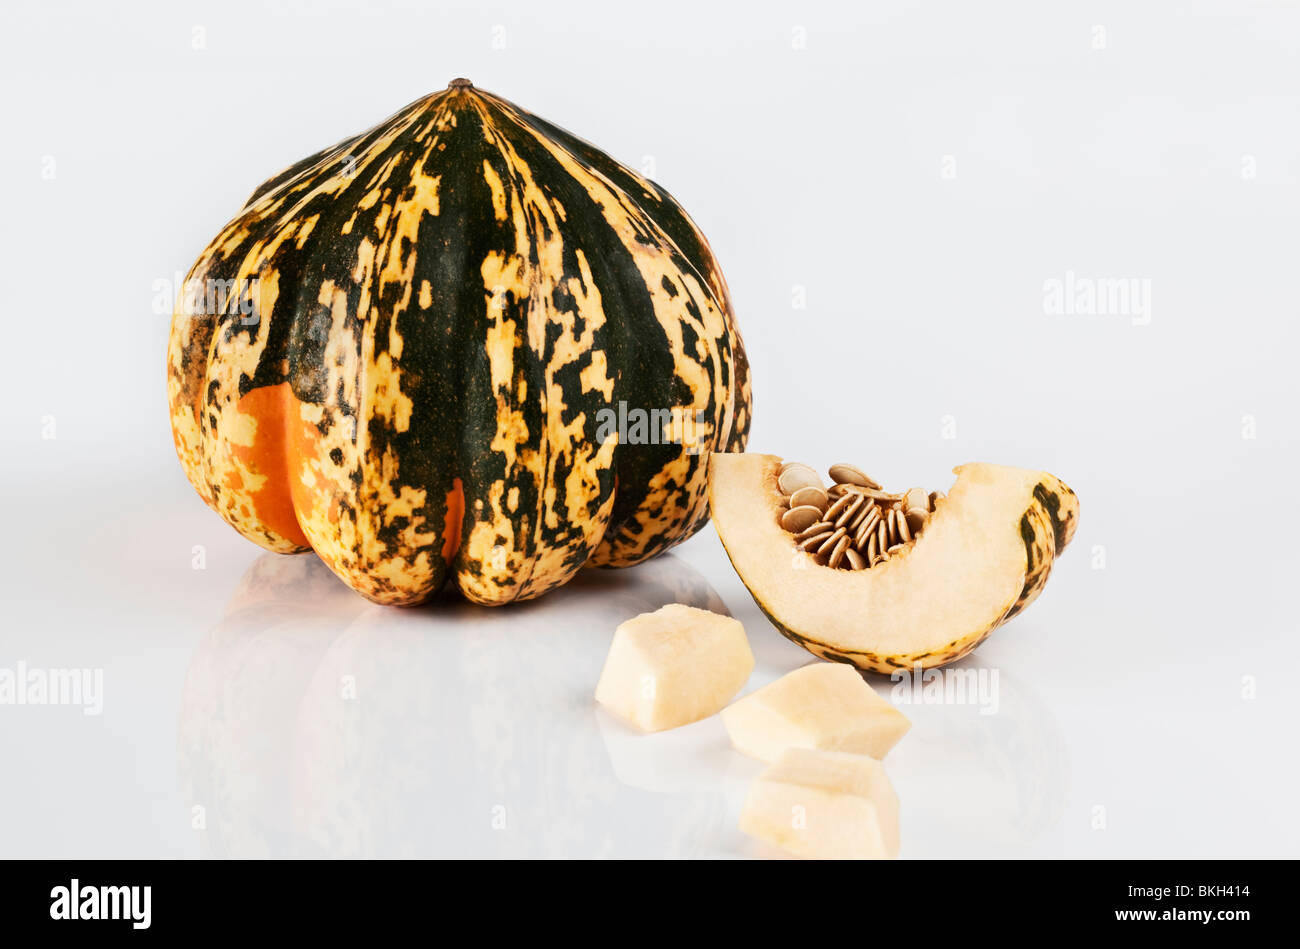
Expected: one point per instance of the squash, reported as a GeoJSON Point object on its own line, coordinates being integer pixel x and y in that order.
{"type": "Point", "coordinates": [462, 348]}
{"type": "Point", "coordinates": [985, 555]}
{"type": "Point", "coordinates": [674, 666]}
{"type": "Point", "coordinates": [826, 705]}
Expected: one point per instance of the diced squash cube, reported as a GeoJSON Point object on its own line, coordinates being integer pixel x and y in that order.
{"type": "Point", "coordinates": [674, 666]}
{"type": "Point", "coordinates": [824, 804]}
{"type": "Point", "coordinates": [826, 705]}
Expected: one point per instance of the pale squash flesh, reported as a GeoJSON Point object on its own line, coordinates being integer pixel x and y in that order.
{"type": "Point", "coordinates": [674, 666]}
{"type": "Point", "coordinates": [824, 705]}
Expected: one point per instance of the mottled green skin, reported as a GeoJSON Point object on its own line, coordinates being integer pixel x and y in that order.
{"type": "Point", "coordinates": [1047, 526]}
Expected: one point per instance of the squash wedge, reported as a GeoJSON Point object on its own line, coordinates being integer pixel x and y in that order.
{"type": "Point", "coordinates": [984, 556]}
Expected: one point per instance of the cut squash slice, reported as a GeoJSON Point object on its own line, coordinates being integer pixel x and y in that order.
{"type": "Point", "coordinates": [983, 556]}
{"type": "Point", "coordinates": [825, 705]}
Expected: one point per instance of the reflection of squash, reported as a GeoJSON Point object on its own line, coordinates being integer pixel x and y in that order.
{"type": "Point", "coordinates": [314, 724]}
{"type": "Point", "coordinates": [240, 705]}
{"type": "Point", "coordinates": [432, 324]}
{"type": "Point", "coordinates": [458, 743]}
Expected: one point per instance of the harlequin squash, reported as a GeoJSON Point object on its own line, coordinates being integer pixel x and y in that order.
{"type": "Point", "coordinates": [407, 353]}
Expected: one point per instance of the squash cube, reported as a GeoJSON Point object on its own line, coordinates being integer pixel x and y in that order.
{"type": "Point", "coordinates": [826, 705]}
{"type": "Point", "coordinates": [674, 666]}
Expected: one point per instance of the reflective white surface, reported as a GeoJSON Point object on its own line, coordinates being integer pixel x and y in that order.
{"type": "Point", "coordinates": [1146, 704]}
{"type": "Point", "coordinates": [300, 720]}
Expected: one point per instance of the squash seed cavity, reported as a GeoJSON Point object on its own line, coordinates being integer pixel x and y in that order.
{"type": "Point", "coordinates": [854, 524]}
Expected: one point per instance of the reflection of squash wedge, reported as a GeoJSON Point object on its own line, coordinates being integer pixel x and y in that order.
{"type": "Point", "coordinates": [983, 557]}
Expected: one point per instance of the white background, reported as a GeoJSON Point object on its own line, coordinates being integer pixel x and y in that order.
{"type": "Point", "coordinates": [916, 174]}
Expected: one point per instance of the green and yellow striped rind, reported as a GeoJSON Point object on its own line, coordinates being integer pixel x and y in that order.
{"type": "Point", "coordinates": [1046, 526]}
{"type": "Point", "coordinates": [443, 305]}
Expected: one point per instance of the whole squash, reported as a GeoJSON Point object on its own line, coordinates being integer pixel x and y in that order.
{"type": "Point", "coordinates": [429, 353]}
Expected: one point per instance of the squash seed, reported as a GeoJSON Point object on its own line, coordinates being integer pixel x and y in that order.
{"type": "Point", "coordinates": [849, 511]}
{"type": "Point", "coordinates": [813, 496]}
{"type": "Point", "coordinates": [838, 507]}
{"type": "Point", "coordinates": [854, 524]}
{"type": "Point", "coordinates": [831, 541]}
{"type": "Point", "coordinates": [838, 553]}
{"type": "Point", "coordinates": [867, 528]}
{"type": "Point", "coordinates": [850, 474]}
{"type": "Point", "coordinates": [821, 527]}
{"type": "Point", "coordinates": [800, 518]}
{"type": "Point", "coordinates": [874, 493]}
{"type": "Point", "coordinates": [862, 514]}
{"type": "Point", "coordinates": [812, 543]}
{"type": "Point", "coordinates": [896, 535]}
{"type": "Point", "coordinates": [795, 476]}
